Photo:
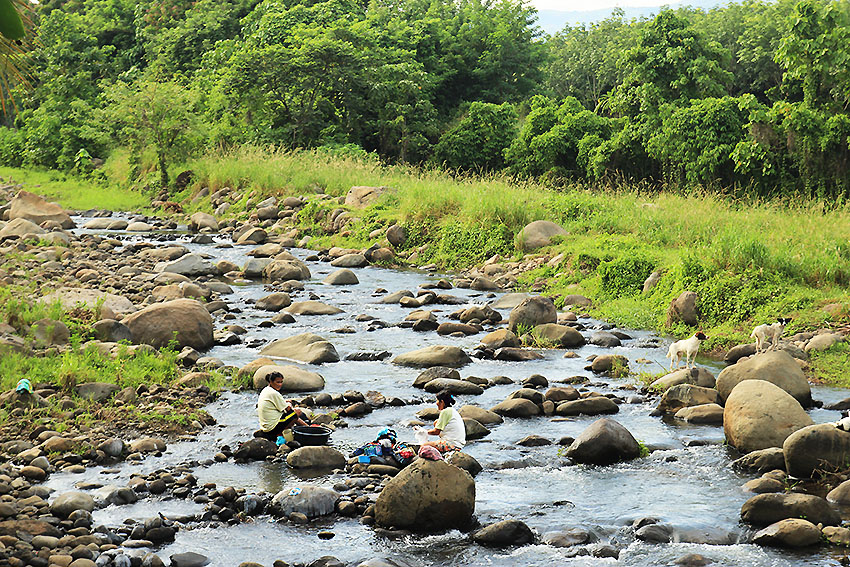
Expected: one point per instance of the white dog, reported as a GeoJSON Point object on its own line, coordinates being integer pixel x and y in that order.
{"type": "Point", "coordinates": [765, 333]}
{"type": "Point", "coordinates": [687, 348]}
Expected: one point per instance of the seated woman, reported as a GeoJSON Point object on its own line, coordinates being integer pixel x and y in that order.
{"type": "Point", "coordinates": [275, 413]}
{"type": "Point", "coordinates": [449, 426]}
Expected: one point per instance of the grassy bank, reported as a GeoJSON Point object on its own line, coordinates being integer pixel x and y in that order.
{"type": "Point", "coordinates": [76, 193]}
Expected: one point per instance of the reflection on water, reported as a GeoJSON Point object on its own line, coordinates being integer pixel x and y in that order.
{"type": "Point", "coordinates": [687, 482]}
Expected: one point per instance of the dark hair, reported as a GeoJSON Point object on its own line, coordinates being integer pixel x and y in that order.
{"type": "Point", "coordinates": [272, 375]}
{"type": "Point", "coordinates": [446, 397]}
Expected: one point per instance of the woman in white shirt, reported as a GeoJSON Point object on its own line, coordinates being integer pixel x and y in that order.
{"type": "Point", "coordinates": [449, 426]}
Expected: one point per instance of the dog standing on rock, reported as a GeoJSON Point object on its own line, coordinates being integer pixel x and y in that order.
{"type": "Point", "coordinates": [687, 348]}
{"type": "Point", "coordinates": [765, 333]}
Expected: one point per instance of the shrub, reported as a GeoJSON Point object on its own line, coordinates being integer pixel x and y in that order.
{"type": "Point", "coordinates": [624, 275]}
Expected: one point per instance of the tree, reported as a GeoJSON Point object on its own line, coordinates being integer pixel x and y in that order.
{"type": "Point", "coordinates": [157, 115]}
{"type": "Point", "coordinates": [478, 140]}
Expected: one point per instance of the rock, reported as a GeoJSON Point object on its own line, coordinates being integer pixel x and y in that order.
{"type": "Point", "coordinates": [112, 331]}
{"type": "Point", "coordinates": [254, 267]}
{"type": "Point", "coordinates": [114, 495]}
{"type": "Point", "coordinates": [273, 302]}
{"type": "Point", "coordinates": [762, 460]}
{"type": "Point", "coordinates": [21, 228]}
{"type": "Point", "coordinates": [96, 391]}
{"type": "Point", "coordinates": [295, 379]}
{"type": "Point", "coordinates": [504, 534]}
{"type": "Point", "coordinates": [34, 528]}
{"type": "Point", "coordinates": [434, 373]}
{"type": "Point", "coordinates": [614, 364]}
{"type": "Point", "coordinates": [199, 221]}
{"type": "Point", "coordinates": [696, 376]}
{"type": "Point", "coordinates": [837, 535]}
{"type": "Point", "coordinates": [474, 430]}
{"type": "Point", "coordinates": [113, 447]}
{"type": "Point", "coordinates": [147, 445]}
{"type": "Point", "coordinates": [312, 501]}
{"type": "Point", "coordinates": [437, 355]}
{"type": "Point", "coordinates": [284, 270]}
{"type": "Point", "coordinates": [759, 415]}
{"type": "Point", "coordinates": [766, 509]}
{"type": "Point", "coordinates": [342, 276]}
{"type": "Point", "coordinates": [594, 405]}
{"type": "Point", "coordinates": [255, 449]}
{"type": "Point", "coordinates": [312, 308]}
{"type": "Point", "coordinates": [466, 462]}
{"type": "Point", "coordinates": [516, 407]}
{"type": "Point", "coordinates": [509, 300]}
{"type": "Point", "coordinates": [350, 261]}
{"type": "Point", "coordinates": [560, 336]}
{"type": "Point", "coordinates": [604, 339]}
{"type": "Point", "coordinates": [561, 394]}
{"type": "Point", "coordinates": [480, 312]}
{"type": "Point", "coordinates": [316, 457]}
{"type": "Point", "coordinates": [190, 265]}
{"type": "Point", "coordinates": [565, 538]}
{"type": "Point", "coordinates": [26, 205]}
{"type": "Point", "coordinates": [396, 235]}
{"type": "Point", "coordinates": [538, 234]}
{"type": "Point", "coordinates": [686, 395]}
{"type": "Point", "coordinates": [500, 338]}
{"type": "Point", "coordinates": [763, 485]}
{"type": "Point", "coordinates": [738, 352]}
{"type": "Point", "coordinates": [427, 496]}
{"type": "Point", "coordinates": [359, 197]}
{"type": "Point", "coordinates": [816, 448]}
{"type": "Point", "coordinates": [481, 415]}
{"type": "Point", "coordinates": [603, 443]}
{"type": "Point", "coordinates": [710, 414]}
{"type": "Point", "coordinates": [823, 341]}
{"type": "Point", "coordinates": [185, 321]}
{"type": "Point", "coordinates": [683, 309]}
{"type": "Point", "coordinates": [48, 332]}
{"type": "Point", "coordinates": [533, 311]}
{"type": "Point", "coordinates": [516, 354]}
{"type": "Point", "coordinates": [459, 387]}
{"type": "Point", "coordinates": [776, 367]}
{"type": "Point", "coordinates": [189, 559]}
{"type": "Point", "coordinates": [252, 235]}
{"type": "Point", "coordinates": [533, 441]}
{"type": "Point", "coordinates": [69, 298]}
{"type": "Point", "coordinates": [69, 502]}
{"type": "Point", "coordinates": [307, 348]}
{"type": "Point", "coordinates": [792, 532]}
{"type": "Point", "coordinates": [840, 495]}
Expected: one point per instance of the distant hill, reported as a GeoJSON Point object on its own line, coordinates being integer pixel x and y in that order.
{"type": "Point", "coordinates": [553, 21]}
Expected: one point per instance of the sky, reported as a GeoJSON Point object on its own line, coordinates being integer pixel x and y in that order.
{"type": "Point", "coordinates": [575, 5]}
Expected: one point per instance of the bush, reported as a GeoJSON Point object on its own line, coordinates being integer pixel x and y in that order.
{"type": "Point", "coordinates": [11, 147]}
{"type": "Point", "coordinates": [625, 275]}
{"type": "Point", "coordinates": [479, 139]}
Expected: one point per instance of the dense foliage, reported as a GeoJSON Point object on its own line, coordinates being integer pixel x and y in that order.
{"type": "Point", "coordinates": [751, 96]}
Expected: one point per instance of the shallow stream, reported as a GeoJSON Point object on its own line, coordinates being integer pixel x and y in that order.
{"type": "Point", "coordinates": [686, 482]}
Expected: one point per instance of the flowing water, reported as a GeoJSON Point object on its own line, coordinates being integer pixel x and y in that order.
{"type": "Point", "coordinates": [686, 482]}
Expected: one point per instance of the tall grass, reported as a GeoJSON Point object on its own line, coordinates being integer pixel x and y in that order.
{"type": "Point", "coordinates": [73, 192]}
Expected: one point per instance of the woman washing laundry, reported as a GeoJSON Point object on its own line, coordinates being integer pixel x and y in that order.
{"type": "Point", "coordinates": [449, 426]}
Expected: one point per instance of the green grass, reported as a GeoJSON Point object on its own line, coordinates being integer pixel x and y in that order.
{"type": "Point", "coordinates": [831, 366]}
{"type": "Point", "coordinates": [75, 193]}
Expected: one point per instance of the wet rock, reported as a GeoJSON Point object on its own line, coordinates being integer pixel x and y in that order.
{"type": "Point", "coordinates": [766, 509]}
{"type": "Point", "coordinates": [273, 302]}
{"type": "Point", "coordinates": [481, 415]}
{"type": "Point", "coordinates": [350, 261]}
{"type": "Point", "coordinates": [561, 394]}
{"type": "Point", "coordinates": [117, 495]}
{"type": "Point", "coordinates": [533, 311]}
{"type": "Point", "coordinates": [762, 460]}
{"type": "Point", "coordinates": [255, 449]}
{"type": "Point", "coordinates": [312, 308]}
{"type": "Point", "coordinates": [603, 443]}
{"type": "Point", "coordinates": [189, 559]}
{"type": "Point", "coordinates": [560, 336]}
{"type": "Point", "coordinates": [655, 533]}
{"type": "Point", "coordinates": [759, 415]}
{"type": "Point", "coordinates": [776, 367]}
{"type": "Point", "coordinates": [764, 485]}
{"type": "Point", "coordinates": [693, 560]}
{"type": "Point", "coordinates": [69, 502]}
{"type": "Point", "coordinates": [696, 376]}
{"type": "Point", "coordinates": [504, 534]}
{"type": "Point", "coordinates": [792, 532]}
{"type": "Point", "coordinates": [427, 496]}
{"type": "Point", "coordinates": [594, 405]}
{"type": "Point", "coordinates": [315, 457]}
{"type": "Point", "coordinates": [190, 265]}
{"type": "Point", "coordinates": [450, 356]}
{"type": "Point", "coordinates": [709, 414]}
{"type": "Point", "coordinates": [836, 535]}
{"type": "Point", "coordinates": [565, 538]}
{"type": "Point", "coordinates": [822, 447]}
{"type": "Point", "coordinates": [604, 339]}
{"type": "Point", "coordinates": [307, 348]}
{"type": "Point", "coordinates": [342, 276]}
{"type": "Point", "coordinates": [533, 441]}
{"type": "Point", "coordinates": [685, 396]}
{"type": "Point", "coordinates": [312, 501]}
{"type": "Point", "coordinates": [474, 429]}
{"type": "Point", "coordinates": [184, 320]}
{"type": "Point", "coordinates": [500, 338]}
{"type": "Point", "coordinates": [516, 407]}
{"type": "Point", "coordinates": [459, 387]}
{"type": "Point", "coordinates": [614, 364]}
{"type": "Point", "coordinates": [284, 270]}
{"type": "Point", "coordinates": [295, 379]}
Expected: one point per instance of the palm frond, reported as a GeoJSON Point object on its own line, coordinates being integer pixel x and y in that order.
{"type": "Point", "coordinates": [15, 58]}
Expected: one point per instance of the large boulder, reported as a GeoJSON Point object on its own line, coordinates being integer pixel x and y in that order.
{"type": "Point", "coordinates": [307, 348]}
{"type": "Point", "coordinates": [481, 415]}
{"type": "Point", "coordinates": [312, 501]}
{"type": "Point", "coordinates": [500, 338]}
{"type": "Point", "coordinates": [96, 391]}
{"type": "Point", "coordinates": [285, 270]}
{"type": "Point", "coordinates": [697, 376]}
{"type": "Point", "coordinates": [436, 355]}
{"type": "Point", "coordinates": [358, 197]}
{"type": "Point", "coordinates": [315, 457]}
{"type": "Point", "coordinates": [533, 311]}
{"type": "Point", "coordinates": [312, 308]}
{"type": "Point", "coordinates": [427, 496]}
{"type": "Point", "coordinates": [294, 379]}
{"type": "Point", "coordinates": [816, 448]}
{"type": "Point", "coordinates": [759, 415]}
{"type": "Point", "coordinates": [516, 407]}
{"type": "Point", "coordinates": [70, 297]}
{"type": "Point", "coordinates": [766, 509]}
{"type": "Point", "coordinates": [26, 205]}
{"type": "Point", "coordinates": [457, 387]}
{"type": "Point", "coordinates": [539, 234]}
{"type": "Point", "coordinates": [20, 228]}
{"type": "Point", "coordinates": [504, 534]}
{"type": "Point", "coordinates": [69, 502]}
{"type": "Point", "coordinates": [685, 396]}
{"type": "Point", "coordinates": [684, 309]}
{"type": "Point", "coordinates": [603, 443]}
{"type": "Point", "coordinates": [199, 221]}
{"type": "Point", "coordinates": [255, 449]}
{"type": "Point", "coordinates": [791, 532]}
{"type": "Point", "coordinates": [559, 336]}
{"type": "Point", "coordinates": [183, 320]}
{"type": "Point", "coordinates": [593, 405]}
{"type": "Point", "coordinates": [189, 265]}
{"type": "Point", "coordinates": [776, 367]}
{"type": "Point", "coordinates": [343, 276]}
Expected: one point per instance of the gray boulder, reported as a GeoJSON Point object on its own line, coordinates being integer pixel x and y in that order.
{"type": "Point", "coordinates": [190, 265]}
{"type": "Point", "coordinates": [312, 501]}
{"type": "Point", "coordinates": [342, 276]}
{"type": "Point", "coordinates": [815, 449]}
{"type": "Point", "coordinates": [185, 320]}
{"type": "Point", "coordinates": [686, 395]}
{"type": "Point", "coordinates": [603, 443]}
{"type": "Point", "coordinates": [320, 457]}
{"type": "Point", "coordinates": [776, 367]}
{"type": "Point", "coordinates": [69, 502]}
{"type": "Point", "coordinates": [504, 534]}
{"type": "Point", "coordinates": [538, 234]}
{"type": "Point", "coordinates": [307, 348]}
{"type": "Point", "coordinates": [766, 509]}
{"type": "Point", "coordinates": [436, 355]}
{"type": "Point", "coordinates": [759, 415]}
{"type": "Point", "coordinates": [533, 311]}
{"type": "Point", "coordinates": [295, 379]}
